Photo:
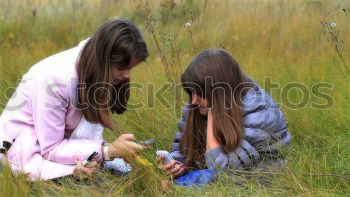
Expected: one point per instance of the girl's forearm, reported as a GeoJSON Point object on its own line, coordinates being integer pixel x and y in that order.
{"type": "Point", "coordinates": [212, 142]}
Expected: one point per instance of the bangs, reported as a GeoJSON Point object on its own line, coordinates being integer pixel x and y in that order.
{"type": "Point", "coordinates": [193, 84]}
{"type": "Point", "coordinates": [121, 60]}
{"type": "Point", "coordinates": [127, 50]}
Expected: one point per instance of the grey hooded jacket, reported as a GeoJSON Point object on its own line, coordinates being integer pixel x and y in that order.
{"type": "Point", "coordinates": [265, 134]}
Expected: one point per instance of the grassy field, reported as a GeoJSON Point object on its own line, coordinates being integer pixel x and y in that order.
{"type": "Point", "coordinates": [275, 41]}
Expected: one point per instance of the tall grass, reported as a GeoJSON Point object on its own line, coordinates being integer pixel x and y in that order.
{"type": "Point", "coordinates": [278, 39]}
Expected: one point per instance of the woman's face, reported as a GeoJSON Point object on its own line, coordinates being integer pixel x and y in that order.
{"type": "Point", "coordinates": [202, 104]}
{"type": "Point", "coordinates": [120, 75]}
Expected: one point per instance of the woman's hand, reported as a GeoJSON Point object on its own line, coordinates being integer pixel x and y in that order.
{"type": "Point", "coordinates": [174, 169]}
{"type": "Point", "coordinates": [124, 147]}
{"type": "Point", "coordinates": [85, 171]}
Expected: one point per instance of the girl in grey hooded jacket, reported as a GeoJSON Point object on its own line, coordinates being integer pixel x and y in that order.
{"type": "Point", "coordinates": [229, 121]}
{"type": "Point", "coordinates": [265, 134]}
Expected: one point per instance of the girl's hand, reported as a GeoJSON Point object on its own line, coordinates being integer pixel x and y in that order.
{"type": "Point", "coordinates": [174, 169]}
{"type": "Point", "coordinates": [124, 147]}
{"type": "Point", "coordinates": [87, 171]}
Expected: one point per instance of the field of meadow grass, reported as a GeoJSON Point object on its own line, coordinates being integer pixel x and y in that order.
{"type": "Point", "coordinates": [282, 44]}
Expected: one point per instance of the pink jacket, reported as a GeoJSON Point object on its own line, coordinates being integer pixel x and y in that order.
{"type": "Point", "coordinates": [41, 115]}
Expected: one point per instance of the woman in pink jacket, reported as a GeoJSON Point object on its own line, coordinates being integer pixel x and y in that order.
{"type": "Point", "coordinates": [90, 82]}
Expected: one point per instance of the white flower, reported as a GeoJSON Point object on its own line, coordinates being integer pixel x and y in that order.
{"type": "Point", "coordinates": [333, 25]}
{"type": "Point", "coordinates": [188, 25]}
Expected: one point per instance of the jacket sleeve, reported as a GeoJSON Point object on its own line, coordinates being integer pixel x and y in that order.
{"type": "Point", "coordinates": [49, 101]}
{"type": "Point", "coordinates": [175, 148]}
{"type": "Point", "coordinates": [24, 157]}
{"type": "Point", "coordinates": [265, 133]}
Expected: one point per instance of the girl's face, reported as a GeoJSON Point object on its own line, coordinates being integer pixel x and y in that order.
{"type": "Point", "coordinates": [120, 75]}
{"type": "Point", "coordinates": [202, 103]}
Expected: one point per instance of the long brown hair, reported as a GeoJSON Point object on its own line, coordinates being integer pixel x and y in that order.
{"type": "Point", "coordinates": [215, 75]}
{"type": "Point", "coordinates": [116, 42]}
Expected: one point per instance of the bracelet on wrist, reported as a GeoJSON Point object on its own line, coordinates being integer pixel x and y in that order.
{"type": "Point", "coordinates": [105, 150]}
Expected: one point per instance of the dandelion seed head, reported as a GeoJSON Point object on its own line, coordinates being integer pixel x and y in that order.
{"type": "Point", "coordinates": [188, 25]}
{"type": "Point", "coordinates": [333, 24]}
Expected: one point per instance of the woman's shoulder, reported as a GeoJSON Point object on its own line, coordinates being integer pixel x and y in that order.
{"type": "Point", "coordinates": [257, 98]}
{"type": "Point", "coordinates": [54, 73]}
{"type": "Point", "coordinates": [58, 68]}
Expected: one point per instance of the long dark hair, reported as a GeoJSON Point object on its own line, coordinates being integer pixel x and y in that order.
{"type": "Point", "coordinates": [215, 75]}
{"type": "Point", "coordinates": [116, 42]}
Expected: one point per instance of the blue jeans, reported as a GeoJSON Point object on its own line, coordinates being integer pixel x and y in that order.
{"type": "Point", "coordinates": [197, 178]}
